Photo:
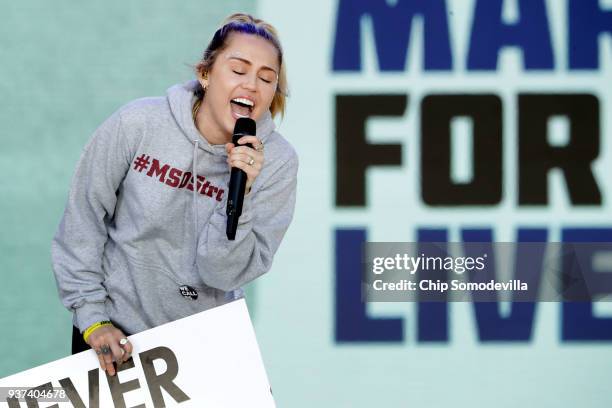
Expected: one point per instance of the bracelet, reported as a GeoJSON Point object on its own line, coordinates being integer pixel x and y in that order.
{"type": "Point", "coordinates": [95, 326]}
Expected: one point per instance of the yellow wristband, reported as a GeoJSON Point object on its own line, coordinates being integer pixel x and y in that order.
{"type": "Point", "coordinates": [93, 327]}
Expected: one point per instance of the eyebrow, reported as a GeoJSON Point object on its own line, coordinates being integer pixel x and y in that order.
{"type": "Point", "coordinates": [246, 61]}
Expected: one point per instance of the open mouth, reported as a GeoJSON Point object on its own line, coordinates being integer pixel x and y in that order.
{"type": "Point", "coordinates": [242, 107]}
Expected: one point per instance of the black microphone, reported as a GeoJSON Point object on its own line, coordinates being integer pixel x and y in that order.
{"type": "Point", "coordinates": [238, 178]}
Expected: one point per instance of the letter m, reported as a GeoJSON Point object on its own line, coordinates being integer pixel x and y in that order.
{"type": "Point", "coordinates": [391, 25]}
{"type": "Point", "coordinates": [156, 171]}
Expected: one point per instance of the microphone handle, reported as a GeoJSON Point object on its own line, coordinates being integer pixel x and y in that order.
{"type": "Point", "coordinates": [235, 198]}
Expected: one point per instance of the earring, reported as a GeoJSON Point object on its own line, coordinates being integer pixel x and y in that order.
{"type": "Point", "coordinates": [205, 78]}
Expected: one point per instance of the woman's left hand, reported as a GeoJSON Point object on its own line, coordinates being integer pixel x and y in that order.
{"type": "Point", "coordinates": [250, 160]}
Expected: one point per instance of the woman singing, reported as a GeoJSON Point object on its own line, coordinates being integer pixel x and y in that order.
{"type": "Point", "coordinates": [143, 237]}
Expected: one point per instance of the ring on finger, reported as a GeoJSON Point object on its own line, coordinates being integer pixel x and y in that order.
{"type": "Point", "coordinates": [105, 349]}
{"type": "Point", "coordinates": [259, 147]}
{"type": "Point", "coordinates": [98, 352]}
{"type": "Point", "coordinates": [251, 162]}
{"type": "Point", "coordinates": [123, 341]}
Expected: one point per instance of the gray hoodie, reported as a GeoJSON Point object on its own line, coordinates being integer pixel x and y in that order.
{"type": "Point", "coordinates": [138, 244]}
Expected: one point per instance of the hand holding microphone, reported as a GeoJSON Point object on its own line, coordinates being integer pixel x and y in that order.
{"type": "Point", "coordinates": [245, 157]}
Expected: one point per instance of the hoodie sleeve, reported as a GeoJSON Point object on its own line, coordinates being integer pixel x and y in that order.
{"type": "Point", "coordinates": [78, 245]}
{"type": "Point", "coordinates": [266, 215]}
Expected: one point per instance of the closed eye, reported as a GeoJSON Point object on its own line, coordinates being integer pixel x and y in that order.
{"type": "Point", "coordinates": [265, 80]}
{"type": "Point", "coordinates": [238, 72]}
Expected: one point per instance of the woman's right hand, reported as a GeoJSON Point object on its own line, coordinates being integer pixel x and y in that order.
{"type": "Point", "coordinates": [105, 342]}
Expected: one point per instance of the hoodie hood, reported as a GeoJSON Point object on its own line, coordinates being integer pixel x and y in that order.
{"type": "Point", "coordinates": [181, 98]}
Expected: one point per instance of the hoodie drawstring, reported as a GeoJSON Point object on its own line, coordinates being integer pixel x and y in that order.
{"type": "Point", "coordinates": [195, 194]}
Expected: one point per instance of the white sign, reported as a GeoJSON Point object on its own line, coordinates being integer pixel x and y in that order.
{"type": "Point", "coordinates": [210, 359]}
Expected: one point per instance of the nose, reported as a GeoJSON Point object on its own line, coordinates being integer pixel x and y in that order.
{"type": "Point", "coordinates": [250, 83]}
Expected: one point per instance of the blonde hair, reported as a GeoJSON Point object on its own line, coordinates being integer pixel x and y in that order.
{"type": "Point", "coordinates": [245, 23]}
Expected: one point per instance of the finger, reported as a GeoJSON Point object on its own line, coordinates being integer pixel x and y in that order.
{"type": "Point", "coordinates": [100, 358]}
{"type": "Point", "coordinates": [127, 344]}
{"type": "Point", "coordinates": [247, 150]}
{"type": "Point", "coordinates": [110, 368]}
{"type": "Point", "coordinates": [251, 171]}
{"type": "Point", "coordinates": [108, 358]}
{"type": "Point", "coordinates": [239, 164]}
{"type": "Point", "coordinates": [241, 157]}
{"type": "Point", "coordinates": [247, 159]}
{"type": "Point", "coordinates": [117, 351]}
{"type": "Point", "coordinates": [258, 156]}
{"type": "Point", "coordinates": [259, 146]}
{"type": "Point", "coordinates": [128, 350]}
{"type": "Point", "coordinates": [229, 147]}
{"type": "Point", "coordinates": [243, 163]}
{"type": "Point", "coordinates": [249, 139]}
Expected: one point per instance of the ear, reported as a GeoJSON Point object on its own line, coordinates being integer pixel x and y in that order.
{"type": "Point", "coordinates": [203, 79]}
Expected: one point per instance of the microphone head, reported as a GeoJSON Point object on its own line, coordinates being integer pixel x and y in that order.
{"type": "Point", "coordinates": [245, 126]}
